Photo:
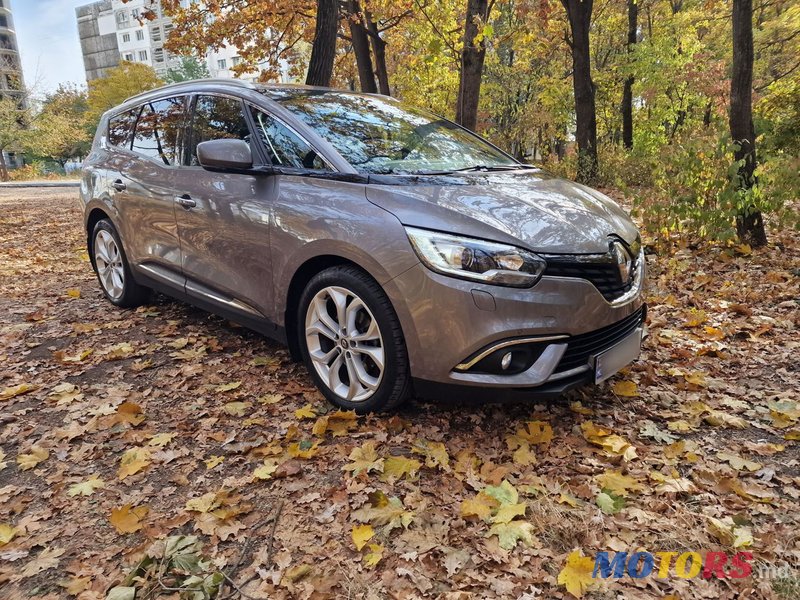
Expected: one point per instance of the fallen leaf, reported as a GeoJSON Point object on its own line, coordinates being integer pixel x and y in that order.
{"type": "Point", "coordinates": [361, 534]}
{"type": "Point", "coordinates": [7, 533]}
{"type": "Point", "coordinates": [127, 519]}
{"type": "Point", "coordinates": [364, 460]}
{"type": "Point", "coordinates": [17, 390]}
{"type": "Point", "coordinates": [626, 389]}
{"type": "Point", "coordinates": [86, 488]}
{"type": "Point", "coordinates": [33, 458]}
{"type": "Point", "coordinates": [397, 467]}
{"type": "Point", "coordinates": [576, 575]}
{"type": "Point", "coordinates": [133, 461]}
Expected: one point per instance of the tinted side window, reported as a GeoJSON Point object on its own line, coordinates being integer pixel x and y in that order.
{"type": "Point", "coordinates": [216, 118]}
{"type": "Point", "coordinates": [120, 128]}
{"type": "Point", "coordinates": [284, 147]}
{"type": "Point", "coordinates": [158, 130]}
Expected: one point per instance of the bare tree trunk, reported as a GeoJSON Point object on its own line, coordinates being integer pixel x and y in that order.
{"type": "Point", "coordinates": [323, 50]}
{"type": "Point", "coordinates": [379, 51]}
{"type": "Point", "coordinates": [627, 90]}
{"type": "Point", "coordinates": [472, 57]}
{"type": "Point", "coordinates": [3, 167]}
{"type": "Point", "coordinates": [358, 35]}
{"type": "Point", "coordinates": [579, 13]}
{"type": "Point", "coordinates": [749, 222]}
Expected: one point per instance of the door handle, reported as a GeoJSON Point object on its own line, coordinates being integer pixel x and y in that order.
{"type": "Point", "coordinates": [119, 185]}
{"type": "Point", "coordinates": [185, 201]}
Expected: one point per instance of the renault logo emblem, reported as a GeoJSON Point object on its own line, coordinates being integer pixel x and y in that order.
{"type": "Point", "coordinates": [623, 260]}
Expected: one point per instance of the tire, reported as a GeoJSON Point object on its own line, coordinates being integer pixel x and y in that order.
{"type": "Point", "coordinates": [112, 269]}
{"type": "Point", "coordinates": [333, 354]}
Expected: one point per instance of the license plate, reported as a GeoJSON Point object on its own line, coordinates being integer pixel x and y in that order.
{"type": "Point", "coordinates": [623, 353]}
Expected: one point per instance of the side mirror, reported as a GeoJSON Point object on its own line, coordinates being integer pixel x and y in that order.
{"type": "Point", "coordinates": [225, 155]}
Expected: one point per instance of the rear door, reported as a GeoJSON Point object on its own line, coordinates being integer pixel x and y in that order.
{"type": "Point", "coordinates": [224, 219]}
{"type": "Point", "coordinates": [144, 187]}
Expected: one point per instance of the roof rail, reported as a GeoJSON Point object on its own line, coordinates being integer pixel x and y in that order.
{"type": "Point", "coordinates": [240, 83]}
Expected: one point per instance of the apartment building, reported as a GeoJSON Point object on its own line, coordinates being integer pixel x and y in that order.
{"type": "Point", "coordinates": [112, 31]}
{"type": "Point", "coordinates": [12, 83]}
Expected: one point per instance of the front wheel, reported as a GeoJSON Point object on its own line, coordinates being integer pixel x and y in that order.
{"type": "Point", "coordinates": [352, 342]}
{"type": "Point", "coordinates": [112, 268]}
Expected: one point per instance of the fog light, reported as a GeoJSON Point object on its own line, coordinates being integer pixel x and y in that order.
{"type": "Point", "coordinates": [506, 361]}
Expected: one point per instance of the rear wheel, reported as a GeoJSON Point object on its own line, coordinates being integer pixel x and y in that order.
{"type": "Point", "coordinates": [351, 341]}
{"type": "Point", "coordinates": [112, 268]}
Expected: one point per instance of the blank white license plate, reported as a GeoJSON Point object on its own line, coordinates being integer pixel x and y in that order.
{"type": "Point", "coordinates": [621, 354]}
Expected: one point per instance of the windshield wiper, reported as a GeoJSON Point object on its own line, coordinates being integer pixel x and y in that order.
{"type": "Point", "coordinates": [491, 168]}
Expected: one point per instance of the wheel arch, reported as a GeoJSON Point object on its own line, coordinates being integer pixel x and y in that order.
{"type": "Point", "coordinates": [95, 215]}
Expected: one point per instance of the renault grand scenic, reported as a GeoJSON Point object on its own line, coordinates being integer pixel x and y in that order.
{"type": "Point", "coordinates": [392, 250]}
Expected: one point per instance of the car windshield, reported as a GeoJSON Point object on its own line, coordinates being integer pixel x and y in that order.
{"type": "Point", "coordinates": [377, 134]}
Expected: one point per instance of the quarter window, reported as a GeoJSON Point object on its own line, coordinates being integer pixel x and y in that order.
{"type": "Point", "coordinates": [120, 128]}
{"type": "Point", "coordinates": [158, 130]}
{"type": "Point", "coordinates": [283, 146]}
{"type": "Point", "coordinates": [216, 118]}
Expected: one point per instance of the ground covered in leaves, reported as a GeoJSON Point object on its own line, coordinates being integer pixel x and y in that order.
{"type": "Point", "coordinates": [163, 449]}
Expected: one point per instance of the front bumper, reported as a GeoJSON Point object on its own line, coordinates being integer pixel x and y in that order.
{"type": "Point", "coordinates": [447, 322]}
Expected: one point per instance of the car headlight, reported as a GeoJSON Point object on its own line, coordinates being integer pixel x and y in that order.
{"type": "Point", "coordinates": [477, 260]}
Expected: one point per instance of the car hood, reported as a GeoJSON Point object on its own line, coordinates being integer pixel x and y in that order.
{"type": "Point", "coordinates": [527, 208]}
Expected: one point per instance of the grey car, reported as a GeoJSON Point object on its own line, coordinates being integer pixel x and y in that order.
{"type": "Point", "coordinates": [393, 251]}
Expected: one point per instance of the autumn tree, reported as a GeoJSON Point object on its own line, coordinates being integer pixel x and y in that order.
{"type": "Point", "coordinates": [627, 90]}
{"type": "Point", "coordinates": [473, 54]}
{"type": "Point", "coordinates": [14, 117]}
{"type": "Point", "coordinates": [579, 14]}
{"type": "Point", "coordinates": [190, 68]}
{"type": "Point", "coordinates": [749, 221]}
{"type": "Point", "coordinates": [323, 49]}
{"type": "Point", "coordinates": [119, 83]}
{"type": "Point", "coordinates": [60, 130]}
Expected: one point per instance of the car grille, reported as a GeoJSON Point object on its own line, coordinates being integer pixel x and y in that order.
{"type": "Point", "coordinates": [603, 275]}
{"type": "Point", "coordinates": [581, 347]}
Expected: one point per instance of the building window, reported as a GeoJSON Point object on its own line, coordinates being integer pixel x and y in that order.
{"type": "Point", "coordinates": [155, 34]}
{"type": "Point", "coordinates": [122, 17]}
{"type": "Point", "coordinates": [222, 63]}
{"type": "Point", "coordinates": [126, 37]}
{"type": "Point", "coordinates": [140, 35]}
{"type": "Point", "coordinates": [143, 55]}
{"type": "Point", "coordinates": [135, 13]}
{"type": "Point", "coordinates": [236, 60]}
{"type": "Point", "coordinates": [129, 56]}
{"type": "Point", "coordinates": [158, 55]}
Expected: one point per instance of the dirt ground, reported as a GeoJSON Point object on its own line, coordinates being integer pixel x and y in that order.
{"type": "Point", "coordinates": [120, 430]}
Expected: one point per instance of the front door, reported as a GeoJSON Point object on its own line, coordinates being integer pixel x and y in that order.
{"type": "Point", "coordinates": [224, 219]}
{"type": "Point", "coordinates": [144, 192]}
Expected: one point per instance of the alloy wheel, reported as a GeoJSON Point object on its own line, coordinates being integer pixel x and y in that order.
{"type": "Point", "coordinates": [108, 260]}
{"type": "Point", "coordinates": [345, 344]}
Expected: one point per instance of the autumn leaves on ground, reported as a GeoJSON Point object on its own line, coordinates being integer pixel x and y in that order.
{"type": "Point", "coordinates": [163, 449]}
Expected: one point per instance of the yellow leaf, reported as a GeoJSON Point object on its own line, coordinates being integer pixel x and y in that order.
{"type": "Point", "coordinates": [612, 444]}
{"type": "Point", "coordinates": [361, 534]}
{"type": "Point", "coordinates": [237, 409]}
{"type": "Point", "coordinates": [536, 432]}
{"type": "Point", "coordinates": [792, 435]}
{"type": "Point", "coordinates": [480, 506]}
{"type": "Point", "coordinates": [306, 412]}
{"type": "Point", "coordinates": [383, 511]}
{"type": "Point", "coordinates": [118, 351]}
{"type": "Point", "coordinates": [719, 418]}
{"type": "Point", "coordinates": [266, 470]}
{"type": "Point", "coordinates": [577, 407]}
{"type": "Point", "coordinates": [739, 463]}
{"type": "Point", "coordinates": [7, 533]}
{"type": "Point", "coordinates": [30, 460]}
{"type": "Point", "coordinates": [680, 426]}
{"type": "Point", "coordinates": [568, 499]}
{"type": "Point", "coordinates": [397, 467]}
{"type": "Point", "coordinates": [75, 358]}
{"type": "Point", "coordinates": [207, 502]}
{"type": "Point", "coordinates": [626, 389]}
{"type": "Point", "coordinates": [133, 461]}
{"type": "Point", "coordinates": [338, 423]}
{"type": "Point", "coordinates": [576, 575]}
{"type": "Point", "coordinates": [508, 534]}
{"type": "Point", "coordinates": [507, 512]}
{"type": "Point", "coordinates": [618, 483]}
{"type": "Point", "coordinates": [74, 293]}
{"type": "Point", "coordinates": [18, 390]}
{"type": "Point", "coordinates": [304, 449]}
{"type": "Point", "coordinates": [523, 456]}
{"type": "Point", "coordinates": [374, 556]}
{"type": "Point", "coordinates": [364, 460]}
{"type": "Point", "coordinates": [435, 454]}
{"type": "Point", "coordinates": [270, 398]}
{"type": "Point", "coordinates": [227, 387]}
{"type": "Point", "coordinates": [127, 519]}
{"type": "Point", "coordinates": [86, 488]}
{"type": "Point", "coordinates": [161, 439]}
{"type": "Point", "coordinates": [728, 532]}
{"type": "Point", "coordinates": [695, 378]}
{"type": "Point", "coordinates": [213, 461]}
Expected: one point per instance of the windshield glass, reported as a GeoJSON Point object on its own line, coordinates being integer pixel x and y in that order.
{"type": "Point", "coordinates": [380, 135]}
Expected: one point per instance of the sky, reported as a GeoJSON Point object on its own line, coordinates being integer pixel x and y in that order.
{"type": "Point", "coordinates": [47, 34]}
